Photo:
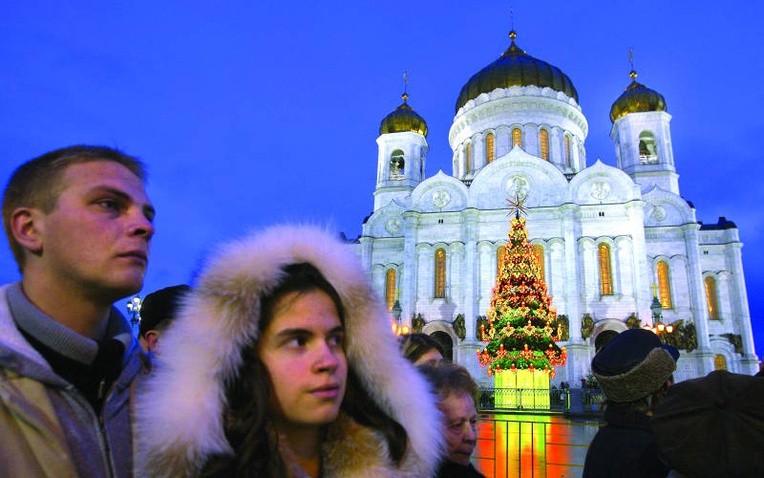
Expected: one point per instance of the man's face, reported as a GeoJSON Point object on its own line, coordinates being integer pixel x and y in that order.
{"type": "Point", "coordinates": [461, 426]}
{"type": "Point", "coordinates": [96, 238]}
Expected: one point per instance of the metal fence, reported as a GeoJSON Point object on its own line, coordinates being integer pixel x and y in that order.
{"type": "Point", "coordinates": [573, 401]}
{"type": "Point", "coordinates": [512, 445]}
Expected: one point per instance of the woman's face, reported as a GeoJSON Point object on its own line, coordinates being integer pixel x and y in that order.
{"type": "Point", "coordinates": [302, 349]}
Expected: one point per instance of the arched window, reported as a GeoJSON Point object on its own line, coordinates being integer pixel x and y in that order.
{"type": "Point", "coordinates": [664, 284]}
{"type": "Point", "coordinates": [544, 144]}
{"type": "Point", "coordinates": [606, 275]}
{"type": "Point", "coordinates": [711, 298]}
{"type": "Point", "coordinates": [397, 164]}
{"type": "Point", "coordinates": [720, 362]}
{"type": "Point", "coordinates": [538, 251]}
{"type": "Point", "coordinates": [566, 142]}
{"type": "Point", "coordinates": [517, 137]}
{"type": "Point", "coordinates": [500, 259]}
{"type": "Point", "coordinates": [490, 150]}
{"type": "Point", "coordinates": [468, 157]}
{"type": "Point", "coordinates": [390, 288]}
{"type": "Point", "coordinates": [440, 273]}
{"type": "Point", "coordinates": [648, 153]}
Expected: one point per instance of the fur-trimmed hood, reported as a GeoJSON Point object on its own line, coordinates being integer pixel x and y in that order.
{"type": "Point", "coordinates": [179, 414]}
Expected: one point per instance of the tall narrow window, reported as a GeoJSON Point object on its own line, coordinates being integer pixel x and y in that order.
{"type": "Point", "coordinates": [664, 284]}
{"type": "Point", "coordinates": [468, 157]}
{"type": "Point", "coordinates": [490, 151]}
{"type": "Point", "coordinates": [648, 152]}
{"type": "Point", "coordinates": [711, 298]}
{"type": "Point", "coordinates": [517, 137]}
{"type": "Point", "coordinates": [500, 259]}
{"type": "Point", "coordinates": [720, 362]}
{"type": "Point", "coordinates": [397, 164]}
{"type": "Point", "coordinates": [606, 275]}
{"type": "Point", "coordinates": [544, 144]}
{"type": "Point", "coordinates": [566, 141]}
{"type": "Point", "coordinates": [440, 273]}
{"type": "Point", "coordinates": [538, 251]}
{"type": "Point", "coordinates": [390, 288]}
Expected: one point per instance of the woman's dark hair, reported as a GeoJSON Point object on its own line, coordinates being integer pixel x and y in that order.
{"type": "Point", "coordinates": [417, 344]}
{"type": "Point", "coordinates": [248, 395]}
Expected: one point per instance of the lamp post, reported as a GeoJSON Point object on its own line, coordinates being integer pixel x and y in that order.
{"type": "Point", "coordinates": [659, 328]}
{"type": "Point", "coordinates": [398, 328]}
{"type": "Point", "coordinates": [134, 309]}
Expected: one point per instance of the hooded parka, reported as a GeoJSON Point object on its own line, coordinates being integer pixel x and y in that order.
{"type": "Point", "coordinates": [180, 412]}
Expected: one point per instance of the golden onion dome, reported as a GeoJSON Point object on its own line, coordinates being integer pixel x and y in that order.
{"type": "Point", "coordinates": [637, 98]}
{"type": "Point", "coordinates": [516, 68]}
{"type": "Point", "coordinates": [403, 119]}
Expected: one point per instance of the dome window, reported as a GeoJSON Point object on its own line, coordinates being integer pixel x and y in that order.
{"type": "Point", "coordinates": [468, 157]}
{"type": "Point", "coordinates": [490, 149]}
{"type": "Point", "coordinates": [397, 165]}
{"type": "Point", "coordinates": [517, 137]}
{"type": "Point", "coordinates": [544, 144]}
{"type": "Point", "coordinates": [566, 142]}
{"type": "Point", "coordinates": [648, 152]}
{"type": "Point", "coordinates": [606, 272]}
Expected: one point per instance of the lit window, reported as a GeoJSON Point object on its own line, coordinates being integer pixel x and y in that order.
{"type": "Point", "coordinates": [490, 152]}
{"type": "Point", "coordinates": [544, 144]}
{"type": "Point", "coordinates": [390, 288]}
{"type": "Point", "coordinates": [664, 284]}
{"type": "Point", "coordinates": [606, 276]}
{"type": "Point", "coordinates": [567, 149]}
{"type": "Point", "coordinates": [538, 251]}
{"type": "Point", "coordinates": [440, 273]}
{"type": "Point", "coordinates": [468, 157]}
{"type": "Point", "coordinates": [397, 164]}
{"type": "Point", "coordinates": [720, 362]}
{"type": "Point", "coordinates": [711, 298]}
{"type": "Point", "coordinates": [517, 137]}
{"type": "Point", "coordinates": [648, 153]}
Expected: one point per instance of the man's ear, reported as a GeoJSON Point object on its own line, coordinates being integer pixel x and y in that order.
{"type": "Point", "coordinates": [26, 225]}
{"type": "Point", "coordinates": [152, 340]}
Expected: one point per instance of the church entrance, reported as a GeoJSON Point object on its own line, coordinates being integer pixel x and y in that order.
{"type": "Point", "coordinates": [445, 343]}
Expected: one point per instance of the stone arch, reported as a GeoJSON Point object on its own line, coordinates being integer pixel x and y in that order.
{"type": "Point", "coordinates": [604, 325]}
{"type": "Point", "coordinates": [443, 332]}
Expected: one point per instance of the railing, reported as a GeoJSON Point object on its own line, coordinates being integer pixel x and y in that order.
{"type": "Point", "coordinates": [573, 401]}
{"type": "Point", "coordinates": [532, 445]}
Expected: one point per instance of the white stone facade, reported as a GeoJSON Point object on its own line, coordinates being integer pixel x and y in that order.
{"type": "Point", "coordinates": [635, 209]}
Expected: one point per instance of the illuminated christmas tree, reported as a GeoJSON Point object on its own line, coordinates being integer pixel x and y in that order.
{"type": "Point", "coordinates": [522, 324]}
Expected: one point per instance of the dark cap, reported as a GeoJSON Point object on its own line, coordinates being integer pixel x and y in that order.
{"type": "Point", "coordinates": [633, 365]}
{"type": "Point", "coordinates": [161, 305]}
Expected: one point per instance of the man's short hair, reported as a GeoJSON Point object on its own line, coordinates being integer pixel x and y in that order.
{"type": "Point", "coordinates": [161, 307]}
{"type": "Point", "coordinates": [37, 183]}
{"type": "Point", "coordinates": [448, 378]}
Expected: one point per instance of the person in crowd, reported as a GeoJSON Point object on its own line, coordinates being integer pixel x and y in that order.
{"type": "Point", "coordinates": [419, 348]}
{"type": "Point", "coordinates": [457, 396]}
{"type": "Point", "coordinates": [79, 224]}
{"type": "Point", "coordinates": [157, 311]}
{"type": "Point", "coordinates": [280, 363]}
{"type": "Point", "coordinates": [634, 370]}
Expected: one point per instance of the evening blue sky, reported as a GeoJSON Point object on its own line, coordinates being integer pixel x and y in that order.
{"type": "Point", "coordinates": [250, 113]}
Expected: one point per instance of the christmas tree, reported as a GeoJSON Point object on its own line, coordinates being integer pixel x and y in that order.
{"type": "Point", "coordinates": [522, 324]}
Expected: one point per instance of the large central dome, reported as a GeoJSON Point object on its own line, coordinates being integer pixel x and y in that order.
{"type": "Point", "coordinates": [516, 68]}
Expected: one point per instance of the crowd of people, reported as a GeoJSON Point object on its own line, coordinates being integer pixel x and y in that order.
{"type": "Point", "coordinates": [277, 362]}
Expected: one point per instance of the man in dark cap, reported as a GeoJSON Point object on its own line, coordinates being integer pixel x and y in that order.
{"type": "Point", "coordinates": [157, 310]}
{"type": "Point", "coordinates": [634, 370]}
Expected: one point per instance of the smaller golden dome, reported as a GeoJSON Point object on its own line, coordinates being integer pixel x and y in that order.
{"type": "Point", "coordinates": [403, 119]}
{"type": "Point", "coordinates": [637, 98]}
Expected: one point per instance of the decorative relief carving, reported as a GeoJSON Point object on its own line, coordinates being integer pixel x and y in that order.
{"type": "Point", "coordinates": [518, 186]}
{"type": "Point", "coordinates": [441, 198]}
{"type": "Point", "coordinates": [393, 225]}
{"type": "Point", "coordinates": [600, 190]}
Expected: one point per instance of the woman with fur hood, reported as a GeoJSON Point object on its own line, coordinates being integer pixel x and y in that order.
{"type": "Point", "coordinates": [281, 363]}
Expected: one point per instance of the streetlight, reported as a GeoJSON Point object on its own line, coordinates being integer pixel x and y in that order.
{"type": "Point", "coordinates": [398, 328]}
{"type": "Point", "coordinates": [134, 308]}
{"type": "Point", "coordinates": [658, 326]}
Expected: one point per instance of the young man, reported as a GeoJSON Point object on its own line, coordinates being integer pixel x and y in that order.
{"type": "Point", "coordinates": [79, 224]}
{"type": "Point", "coordinates": [457, 392]}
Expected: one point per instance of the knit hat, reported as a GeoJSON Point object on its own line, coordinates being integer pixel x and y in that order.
{"type": "Point", "coordinates": [633, 365]}
{"type": "Point", "coordinates": [161, 305]}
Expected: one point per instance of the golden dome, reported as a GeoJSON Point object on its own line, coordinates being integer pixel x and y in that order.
{"type": "Point", "coordinates": [403, 119]}
{"type": "Point", "coordinates": [637, 98]}
{"type": "Point", "coordinates": [516, 68]}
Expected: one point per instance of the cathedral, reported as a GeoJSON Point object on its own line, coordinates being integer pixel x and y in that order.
{"type": "Point", "coordinates": [618, 247]}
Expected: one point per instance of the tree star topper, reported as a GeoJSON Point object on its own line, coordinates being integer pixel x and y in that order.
{"type": "Point", "coordinates": [517, 206]}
